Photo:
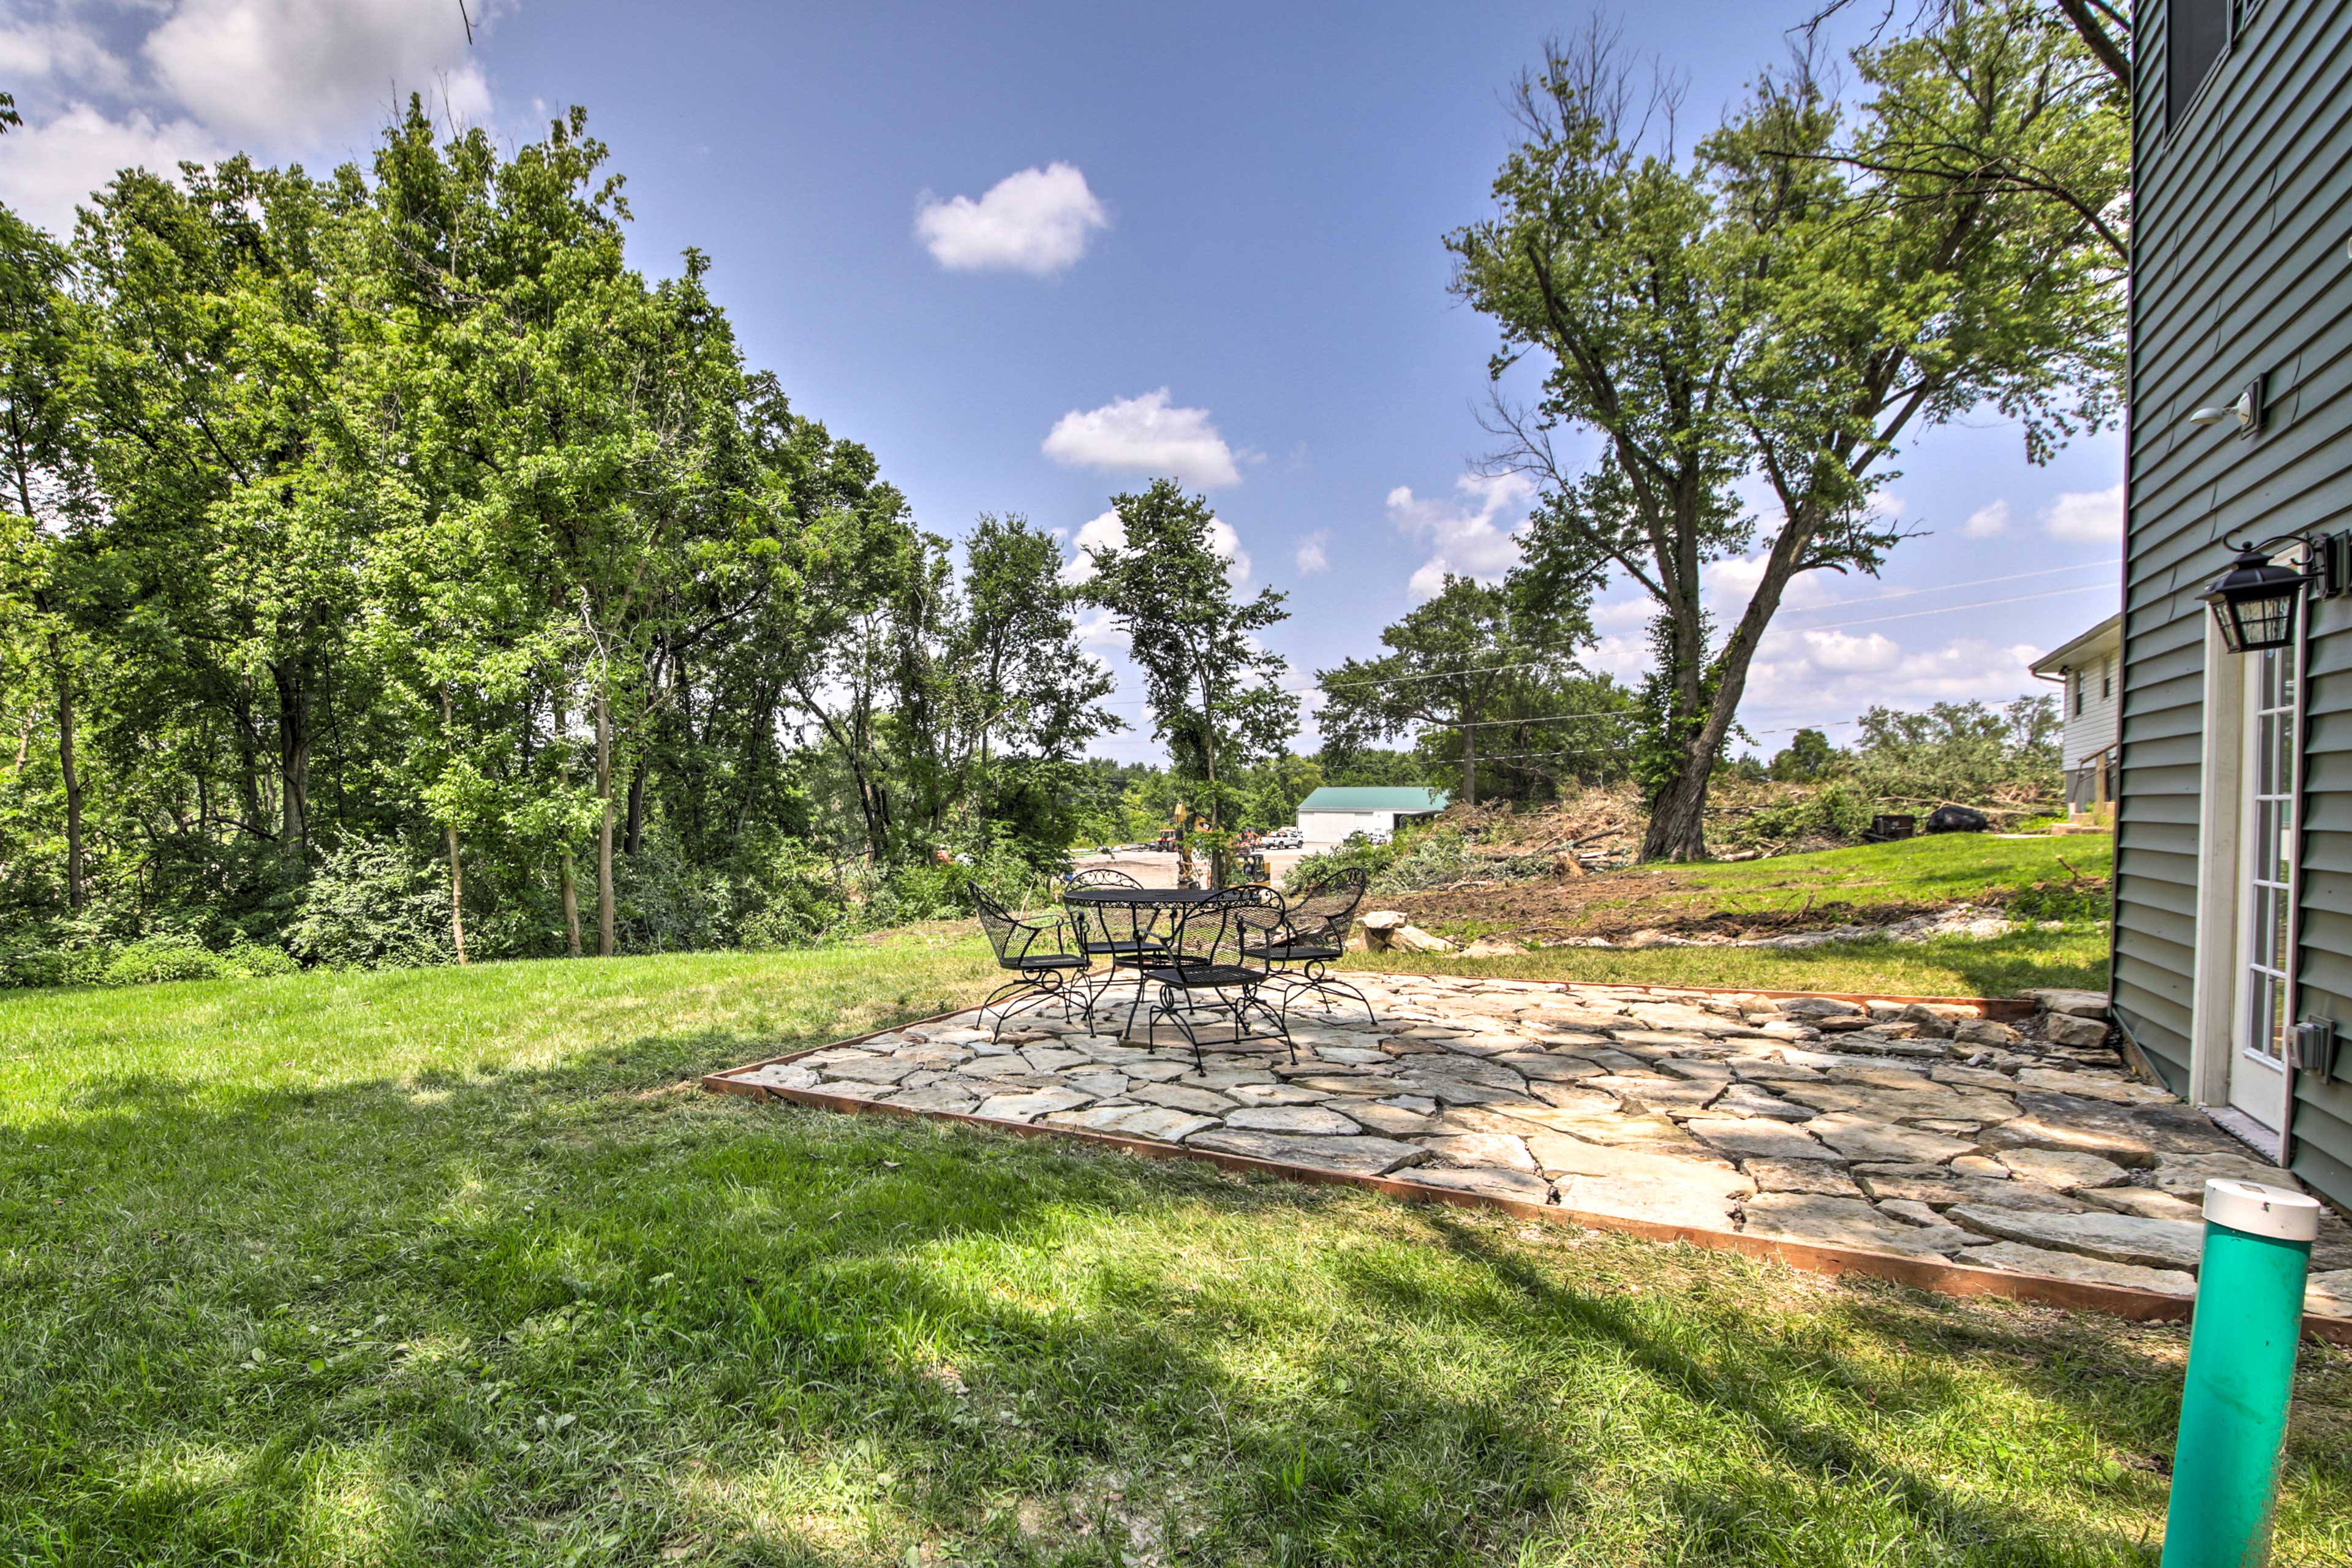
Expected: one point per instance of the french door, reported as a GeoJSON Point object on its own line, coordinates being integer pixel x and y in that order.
{"type": "Point", "coordinates": [2266, 900]}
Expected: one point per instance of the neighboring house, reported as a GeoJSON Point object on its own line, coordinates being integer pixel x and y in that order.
{"type": "Point", "coordinates": [2233, 877]}
{"type": "Point", "coordinates": [2090, 676]}
{"type": "Point", "coordinates": [1330, 813]}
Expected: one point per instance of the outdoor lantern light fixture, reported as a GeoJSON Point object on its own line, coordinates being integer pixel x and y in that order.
{"type": "Point", "coordinates": [2255, 602]}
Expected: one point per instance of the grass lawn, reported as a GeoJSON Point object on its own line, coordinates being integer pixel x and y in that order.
{"type": "Point", "coordinates": [1947, 868]}
{"type": "Point", "coordinates": [2072, 956]}
{"type": "Point", "coordinates": [452, 1268]}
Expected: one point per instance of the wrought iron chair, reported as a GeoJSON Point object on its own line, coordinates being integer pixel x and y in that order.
{"type": "Point", "coordinates": [1125, 935]}
{"type": "Point", "coordinates": [1315, 935]}
{"type": "Point", "coordinates": [1213, 964]}
{"type": "Point", "coordinates": [1037, 954]}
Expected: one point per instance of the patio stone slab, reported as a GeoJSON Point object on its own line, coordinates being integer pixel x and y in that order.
{"type": "Point", "coordinates": [1756, 1137]}
{"type": "Point", "coordinates": [2019, 1259]}
{"type": "Point", "coordinates": [1290, 1119]}
{"type": "Point", "coordinates": [1184, 1096]}
{"type": "Point", "coordinates": [1941, 1185]}
{"type": "Point", "coordinates": [1747, 1099]}
{"type": "Point", "coordinates": [1523, 1185]}
{"type": "Point", "coordinates": [1030, 1106]}
{"type": "Point", "coordinates": [1499, 1149]}
{"type": "Point", "coordinates": [2120, 1238]}
{"type": "Point", "coordinates": [1844, 1222]}
{"type": "Point", "coordinates": [2066, 1170]}
{"type": "Point", "coordinates": [2146, 1202]}
{"type": "Point", "coordinates": [1800, 1176]}
{"type": "Point", "coordinates": [1860, 1138]}
{"type": "Point", "coordinates": [1364, 1156]}
{"type": "Point", "coordinates": [1389, 1121]}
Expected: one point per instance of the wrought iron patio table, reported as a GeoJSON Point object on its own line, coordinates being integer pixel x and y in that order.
{"type": "Point", "coordinates": [1125, 926]}
{"type": "Point", "coordinates": [1206, 950]}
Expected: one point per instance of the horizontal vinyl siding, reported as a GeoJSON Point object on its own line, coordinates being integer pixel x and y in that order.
{"type": "Point", "coordinates": [2239, 270]}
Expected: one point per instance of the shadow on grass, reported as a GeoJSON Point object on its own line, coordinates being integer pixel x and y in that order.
{"type": "Point", "coordinates": [583, 1312]}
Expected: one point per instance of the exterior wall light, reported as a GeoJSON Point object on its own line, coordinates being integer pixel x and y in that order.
{"type": "Point", "coordinates": [2247, 410]}
{"type": "Point", "coordinates": [2255, 602]}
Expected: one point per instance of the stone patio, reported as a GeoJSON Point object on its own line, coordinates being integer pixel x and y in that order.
{"type": "Point", "coordinates": [1920, 1129]}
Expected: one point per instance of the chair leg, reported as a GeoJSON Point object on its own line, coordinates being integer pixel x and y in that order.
{"type": "Point", "coordinates": [1039, 992]}
{"type": "Point", "coordinates": [1168, 1009]}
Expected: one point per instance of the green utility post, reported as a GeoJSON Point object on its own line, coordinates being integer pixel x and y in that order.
{"type": "Point", "coordinates": [2241, 1374]}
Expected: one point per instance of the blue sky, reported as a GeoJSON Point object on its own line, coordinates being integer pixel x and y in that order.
{"type": "Point", "coordinates": [1031, 254]}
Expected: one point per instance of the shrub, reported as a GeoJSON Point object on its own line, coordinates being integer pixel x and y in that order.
{"type": "Point", "coordinates": [2068, 901]}
{"type": "Point", "coordinates": [1354, 852]}
{"type": "Point", "coordinates": [257, 961]}
{"type": "Point", "coordinates": [368, 906]}
{"type": "Point", "coordinates": [29, 960]}
{"type": "Point", "coordinates": [176, 955]}
{"type": "Point", "coordinates": [1839, 812]}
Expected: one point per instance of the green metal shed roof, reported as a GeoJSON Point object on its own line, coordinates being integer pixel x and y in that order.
{"type": "Point", "coordinates": [1330, 798]}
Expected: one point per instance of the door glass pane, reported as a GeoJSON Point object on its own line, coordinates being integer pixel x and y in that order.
{"type": "Point", "coordinates": [2269, 904]}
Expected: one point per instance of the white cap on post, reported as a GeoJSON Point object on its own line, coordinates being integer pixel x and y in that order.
{"type": "Point", "coordinates": [2258, 1210]}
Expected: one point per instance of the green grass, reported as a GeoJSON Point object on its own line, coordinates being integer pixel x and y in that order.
{"type": "Point", "coordinates": [451, 1268]}
{"type": "Point", "coordinates": [2072, 956]}
{"type": "Point", "coordinates": [1947, 869]}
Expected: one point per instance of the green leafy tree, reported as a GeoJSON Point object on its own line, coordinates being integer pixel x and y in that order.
{"type": "Point", "coordinates": [1808, 755]}
{"type": "Point", "coordinates": [1469, 662]}
{"type": "Point", "coordinates": [1212, 687]}
{"type": "Point", "coordinates": [1743, 312]}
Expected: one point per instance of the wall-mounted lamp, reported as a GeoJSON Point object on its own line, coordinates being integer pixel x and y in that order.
{"type": "Point", "coordinates": [2247, 410]}
{"type": "Point", "coordinates": [2255, 602]}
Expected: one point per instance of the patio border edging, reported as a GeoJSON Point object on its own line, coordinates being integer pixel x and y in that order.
{"type": "Point", "coordinates": [1943, 1278]}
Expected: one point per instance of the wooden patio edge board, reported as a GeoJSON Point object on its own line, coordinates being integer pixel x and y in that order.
{"type": "Point", "coordinates": [1943, 1278]}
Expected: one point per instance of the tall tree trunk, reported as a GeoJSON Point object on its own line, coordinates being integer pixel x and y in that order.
{"type": "Point", "coordinates": [293, 762]}
{"type": "Point", "coordinates": [72, 775]}
{"type": "Point", "coordinates": [604, 937]}
{"type": "Point", "coordinates": [457, 861]}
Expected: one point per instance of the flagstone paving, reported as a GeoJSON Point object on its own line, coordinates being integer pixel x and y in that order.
{"type": "Point", "coordinates": [1922, 1131]}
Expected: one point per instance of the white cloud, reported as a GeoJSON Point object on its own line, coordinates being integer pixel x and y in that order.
{"type": "Point", "coordinates": [194, 80]}
{"type": "Point", "coordinates": [1473, 534]}
{"type": "Point", "coordinates": [50, 167]}
{"type": "Point", "coordinates": [282, 71]}
{"type": "Point", "coordinates": [1988, 521]}
{"type": "Point", "coordinates": [1038, 221]}
{"type": "Point", "coordinates": [1145, 435]}
{"type": "Point", "coordinates": [59, 51]}
{"type": "Point", "coordinates": [1847, 654]}
{"type": "Point", "coordinates": [1313, 553]}
{"type": "Point", "coordinates": [2088, 517]}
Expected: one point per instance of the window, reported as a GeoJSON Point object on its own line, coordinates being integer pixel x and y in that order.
{"type": "Point", "coordinates": [2075, 694]}
{"type": "Point", "coordinates": [2195, 33]}
{"type": "Point", "coordinates": [2106, 679]}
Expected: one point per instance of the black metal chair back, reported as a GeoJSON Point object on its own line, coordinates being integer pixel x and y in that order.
{"type": "Point", "coordinates": [1014, 939]}
{"type": "Point", "coordinates": [1225, 932]}
{"type": "Point", "coordinates": [1323, 914]}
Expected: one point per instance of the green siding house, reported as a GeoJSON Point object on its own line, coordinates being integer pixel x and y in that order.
{"type": "Point", "coordinates": [1331, 813]}
{"type": "Point", "coordinates": [2234, 885]}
